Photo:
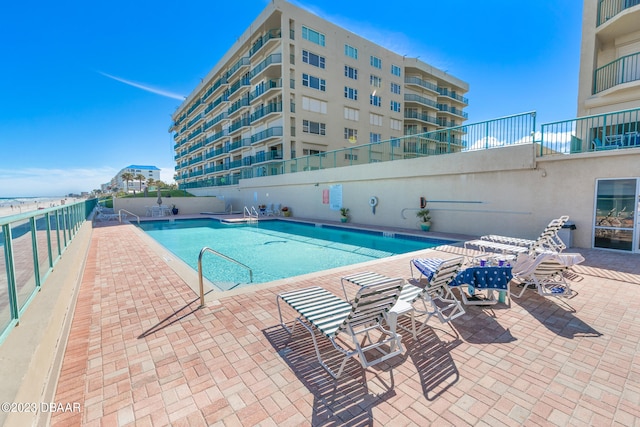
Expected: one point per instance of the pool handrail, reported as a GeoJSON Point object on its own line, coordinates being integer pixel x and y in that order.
{"type": "Point", "coordinates": [130, 213]}
{"type": "Point", "coordinates": [208, 249]}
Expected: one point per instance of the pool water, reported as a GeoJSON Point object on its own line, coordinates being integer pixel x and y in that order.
{"type": "Point", "coordinates": [273, 249]}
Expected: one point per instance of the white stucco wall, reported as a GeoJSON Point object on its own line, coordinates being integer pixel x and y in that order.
{"type": "Point", "coordinates": [503, 191]}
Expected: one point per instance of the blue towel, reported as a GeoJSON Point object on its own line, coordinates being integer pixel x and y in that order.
{"type": "Point", "coordinates": [427, 266]}
{"type": "Point", "coordinates": [484, 277]}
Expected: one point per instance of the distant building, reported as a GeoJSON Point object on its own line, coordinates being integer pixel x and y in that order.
{"type": "Point", "coordinates": [295, 85]}
{"type": "Point", "coordinates": [609, 78]}
{"type": "Point", "coordinates": [149, 172]}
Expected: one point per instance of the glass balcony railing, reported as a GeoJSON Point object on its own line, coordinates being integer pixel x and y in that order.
{"type": "Point", "coordinates": [410, 97]}
{"type": "Point", "coordinates": [622, 70]}
{"type": "Point", "coordinates": [271, 34]}
{"type": "Point", "coordinates": [275, 58]}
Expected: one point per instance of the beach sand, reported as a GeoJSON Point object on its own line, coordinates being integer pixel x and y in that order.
{"type": "Point", "coordinates": [17, 207]}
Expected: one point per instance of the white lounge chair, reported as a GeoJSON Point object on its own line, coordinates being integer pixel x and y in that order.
{"type": "Point", "coordinates": [545, 271]}
{"type": "Point", "coordinates": [320, 310]}
{"type": "Point", "coordinates": [547, 241]}
{"type": "Point", "coordinates": [436, 298]}
{"type": "Point", "coordinates": [550, 233]}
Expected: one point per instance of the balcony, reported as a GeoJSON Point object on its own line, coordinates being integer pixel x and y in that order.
{"type": "Point", "coordinates": [213, 138]}
{"type": "Point", "coordinates": [238, 125]}
{"type": "Point", "coordinates": [622, 70]}
{"type": "Point", "coordinates": [410, 97]}
{"type": "Point", "coordinates": [262, 41]}
{"type": "Point", "coordinates": [245, 142]}
{"type": "Point", "coordinates": [607, 9]}
{"type": "Point", "coordinates": [266, 110]}
{"type": "Point", "coordinates": [422, 83]}
{"type": "Point", "coordinates": [242, 63]}
{"type": "Point", "coordinates": [264, 88]}
{"type": "Point", "coordinates": [453, 95]}
{"type": "Point", "coordinates": [265, 135]}
{"type": "Point", "coordinates": [273, 59]}
{"type": "Point", "coordinates": [242, 102]}
{"type": "Point", "coordinates": [215, 120]}
{"type": "Point", "coordinates": [409, 114]}
{"type": "Point", "coordinates": [244, 81]}
{"type": "Point", "coordinates": [444, 108]}
{"type": "Point", "coordinates": [267, 156]}
{"type": "Point", "coordinates": [617, 19]}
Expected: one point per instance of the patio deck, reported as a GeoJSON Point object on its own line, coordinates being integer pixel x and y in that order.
{"type": "Point", "coordinates": [140, 352]}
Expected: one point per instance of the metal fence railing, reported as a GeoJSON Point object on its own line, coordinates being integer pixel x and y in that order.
{"type": "Point", "coordinates": [607, 9]}
{"type": "Point", "coordinates": [617, 130]}
{"type": "Point", "coordinates": [31, 244]}
{"type": "Point", "coordinates": [501, 132]}
{"type": "Point", "coordinates": [623, 70]}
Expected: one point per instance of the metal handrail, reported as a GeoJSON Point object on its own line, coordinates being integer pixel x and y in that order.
{"type": "Point", "coordinates": [247, 213]}
{"type": "Point", "coordinates": [130, 213]}
{"type": "Point", "coordinates": [207, 249]}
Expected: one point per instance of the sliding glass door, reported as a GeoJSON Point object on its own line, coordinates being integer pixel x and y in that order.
{"type": "Point", "coordinates": [616, 214]}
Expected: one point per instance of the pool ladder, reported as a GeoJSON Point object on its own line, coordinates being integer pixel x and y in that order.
{"type": "Point", "coordinates": [207, 249]}
{"type": "Point", "coordinates": [250, 215]}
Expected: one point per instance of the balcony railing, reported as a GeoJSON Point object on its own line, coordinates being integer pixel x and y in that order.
{"type": "Point", "coordinates": [611, 131]}
{"type": "Point", "coordinates": [271, 34]}
{"type": "Point", "coordinates": [410, 97]}
{"type": "Point", "coordinates": [623, 70]}
{"type": "Point", "coordinates": [31, 245]}
{"type": "Point", "coordinates": [274, 58]}
{"type": "Point", "coordinates": [423, 83]}
{"type": "Point", "coordinates": [607, 9]}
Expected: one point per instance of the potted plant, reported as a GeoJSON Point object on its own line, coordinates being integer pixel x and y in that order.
{"type": "Point", "coordinates": [344, 214]}
{"type": "Point", "coordinates": [174, 210]}
{"type": "Point", "coordinates": [425, 219]}
{"type": "Point", "coordinates": [285, 211]}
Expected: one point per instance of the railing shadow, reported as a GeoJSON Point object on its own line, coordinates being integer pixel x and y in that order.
{"type": "Point", "coordinates": [479, 326]}
{"type": "Point", "coordinates": [346, 401]}
{"type": "Point", "coordinates": [432, 358]}
{"type": "Point", "coordinates": [556, 314]}
{"type": "Point", "coordinates": [175, 317]}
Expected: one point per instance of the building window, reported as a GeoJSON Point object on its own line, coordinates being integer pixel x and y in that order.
{"type": "Point", "coordinates": [375, 137]}
{"type": "Point", "coordinates": [351, 114]}
{"type": "Point", "coordinates": [351, 51]}
{"type": "Point", "coordinates": [375, 100]}
{"type": "Point", "coordinates": [350, 134]}
{"type": "Point", "coordinates": [375, 119]}
{"type": "Point", "coordinates": [375, 81]}
{"type": "Point", "coordinates": [351, 72]}
{"type": "Point", "coordinates": [313, 59]}
{"type": "Point", "coordinates": [351, 93]}
{"type": "Point", "coordinates": [376, 62]}
{"type": "Point", "coordinates": [313, 36]}
{"type": "Point", "coordinates": [395, 106]}
{"type": "Point", "coordinates": [314, 82]}
{"type": "Point", "coordinates": [396, 124]}
{"type": "Point", "coordinates": [313, 127]}
{"type": "Point", "coordinates": [350, 156]}
{"type": "Point", "coordinates": [395, 88]}
{"type": "Point", "coordinates": [395, 70]}
{"type": "Point", "coordinates": [314, 105]}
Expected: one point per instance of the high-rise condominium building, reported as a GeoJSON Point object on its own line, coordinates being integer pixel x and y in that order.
{"type": "Point", "coordinates": [610, 57]}
{"type": "Point", "coordinates": [296, 85]}
{"type": "Point", "coordinates": [139, 174]}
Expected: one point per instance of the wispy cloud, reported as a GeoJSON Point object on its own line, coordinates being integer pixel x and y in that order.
{"type": "Point", "coordinates": [145, 87]}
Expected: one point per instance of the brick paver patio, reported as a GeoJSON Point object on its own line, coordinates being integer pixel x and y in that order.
{"type": "Point", "coordinates": [141, 353]}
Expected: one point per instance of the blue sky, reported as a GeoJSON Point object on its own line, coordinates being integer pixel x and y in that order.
{"type": "Point", "coordinates": [88, 88]}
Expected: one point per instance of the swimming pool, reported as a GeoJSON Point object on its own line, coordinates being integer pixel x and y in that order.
{"type": "Point", "coordinates": [275, 249]}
